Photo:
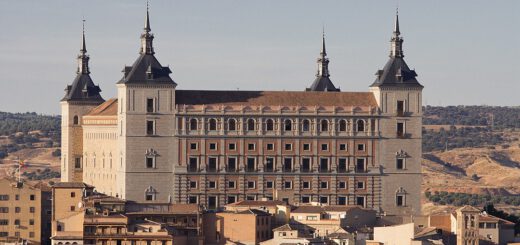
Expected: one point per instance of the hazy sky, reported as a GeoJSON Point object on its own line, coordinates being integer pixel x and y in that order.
{"type": "Point", "coordinates": [465, 52]}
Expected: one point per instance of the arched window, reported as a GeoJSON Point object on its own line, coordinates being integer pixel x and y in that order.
{"type": "Point", "coordinates": [360, 126]}
{"type": "Point", "coordinates": [324, 125]}
{"type": "Point", "coordinates": [232, 124]}
{"type": "Point", "coordinates": [75, 120]}
{"type": "Point", "coordinates": [306, 125]}
{"type": "Point", "coordinates": [342, 125]}
{"type": "Point", "coordinates": [288, 125]}
{"type": "Point", "coordinates": [250, 124]}
{"type": "Point", "coordinates": [193, 124]}
{"type": "Point", "coordinates": [212, 124]}
{"type": "Point", "coordinates": [269, 125]}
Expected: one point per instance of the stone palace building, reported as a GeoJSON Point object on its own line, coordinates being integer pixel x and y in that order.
{"type": "Point", "coordinates": [156, 143]}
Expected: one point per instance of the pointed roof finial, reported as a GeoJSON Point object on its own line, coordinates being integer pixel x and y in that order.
{"type": "Point", "coordinates": [147, 21]}
{"type": "Point", "coordinates": [83, 44]}
{"type": "Point", "coordinates": [323, 50]}
{"type": "Point", "coordinates": [396, 26]}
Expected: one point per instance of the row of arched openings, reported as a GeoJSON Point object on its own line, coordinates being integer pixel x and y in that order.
{"type": "Point", "coordinates": [288, 125]}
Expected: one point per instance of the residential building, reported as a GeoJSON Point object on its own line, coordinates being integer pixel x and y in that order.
{"type": "Point", "coordinates": [155, 143]}
{"type": "Point", "coordinates": [248, 227]}
{"type": "Point", "coordinates": [279, 209]}
{"type": "Point", "coordinates": [316, 220]}
{"type": "Point", "coordinates": [287, 234]}
{"type": "Point", "coordinates": [25, 212]}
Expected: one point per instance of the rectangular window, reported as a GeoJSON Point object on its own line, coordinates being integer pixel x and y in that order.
{"type": "Point", "coordinates": [250, 197]}
{"type": "Point", "coordinates": [32, 197]}
{"type": "Point", "coordinates": [150, 105]}
{"type": "Point", "coordinates": [324, 199]}
{"type": "Point", "coordinates": [342, 200]}
{"type": "Point", "coordinates": [32, 209]}
{"type": "Point", "coordinates": [72, 208]}
{"type": "Point", "coordinates": [212, 202]}
{"type": "Point", "coordinates": [212, 164]}
{"type": "Point", "coordinates": [342, 165]}
{"type": "Point", "coordinates": [306, 199]}
{"type": "Point", "coordinates": [193, 146]}
{"type": "Point", "coordinates": [269, 164]}
{"type": "Point", "coordinates": [306, 147]}
{"type": "Point", "coordinates": [312, 217]}
{"type": "Point", "coordinates": [212, 146]}
{"type": "Point", "coordinates": [251, 162]}
{"type": "Point", "coordinates": [270, 146]}
{"type": "Point", "coordinates": [212, 184]}
{"type": "Point", "coordinates": [73, 194]}
{"type": "Point", "coordinates": [4, 197]}
{"type": "Point", "coordinates": [16, 197]}
{"type": "Point", "coordinates": [288, 147]}
{"type": "Point", "coordinates": [269, 184]}
{"type": "Point", "coordinates": [16, 222]}
{"type": "Point", "coordinates": [251, 147]}
{"type": "Point", "coordinates": [192, 199]}
{"type": "Point", "coordinates": [324, 185]}
{"type": "Point", "coordinates": [287, 164]}
{"type": "Point", "coordinates": [360, 185]}
{"type": "Point", "coordinates": [17, 209]}
{"type": "Point", "coordinates": [400, 108]}
{"type": "Point", "coordinates": [232, 164]}
{"type": "Point", "coordinates": [4, 222]}
{"type": "Point", "coordinates": [232, 184]}
{"type": "Point", "coordinates": [399, 200]}
{"type": "Point", "coordinates": [77, 163]}
{"type": "Point", "coordinates": [360, 165]}
{"type": "Point", "coordinates": [287, 184]}
{"type": "Point", "coordinates": [324, 147]}
{"type": "Point", "coordinates": [150, 127]}
{"type": "Point", "coordinates": [193, 164]}
{"type": "Point", "coordinates": [342, 185]}
{"type": "Point", "coordinates": [306, 165]}
{"type": "Point", "coordinates": [251, 185]}
{"type": "Point", "coordinates": [31, 222]}
{"type": "Point", "coordinates": [400, 163]}
{"type": "Point", "coordinates": [342, 147]}
{"type": "Point", "coordinates": [193, 184]}
{"type": "Point", "coordinates": [4, 210]}
{"type": "Point", "coordinates": [324, 165]}
{"type": "Point", "coordinates": [306, 185]}
{"type": "Point", "coordinates": [232, 146]}
{"type": "Point", "coordinates": [400, 129]}
{"type": "Point", "coordinates": [231, 199]}
{"type": "Point", "coordinates": [150, 162]}
{"type": "Point", "coordinates": [360, 201]}
{"type": "Point", "coordinates": [361, 147]}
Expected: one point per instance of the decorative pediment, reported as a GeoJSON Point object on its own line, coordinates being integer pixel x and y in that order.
{"type": "Point", "coordinates": [401, 190]}
{"type": "Point", "coordinates": [401, 154]}
{"type": "Point", "coordinates": [151, 152]}
{"type": "Point", "coordinates": [150, 189]}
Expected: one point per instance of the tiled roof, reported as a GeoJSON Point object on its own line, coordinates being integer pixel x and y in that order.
{"type": "Point", "coordinates": [257, 203]}
{"type": "Point", "coordinates": [274, 98]}
{"type": "Point", "coordinates": [286, 227]}
{"type": "Point", "coordinates": [108, 108]}
{"type": "Point", "coordinates": [320, 209]}
{"type": "Point", "coordinates": [71, 185]}
{"type": "Point", "coordinates": [491, 218]}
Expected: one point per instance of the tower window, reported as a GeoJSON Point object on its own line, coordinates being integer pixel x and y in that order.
{"type": "Point", "coordinates": [150, 127]}
{"type": "Point", "coordinates": [77, 163]}
{"type": "Point", "coordinates": [400, 130]}
{"type": "Point", "coordinates": [269, 125]}
{"type": "Point", "coordinates": [287, 125]}
{"type": "Point", "coordinates": [360, 126]}
{"type": "Point", "coordinates": [150, 105]}
{"type": "Point", "coordinates": [75, 120]}
{"type": "Point", "coordinates": [400, 108]}
{"type": "Point", "coordinates": [232, 125]}
{"type": "Point", "coordinates": [324, 125]}
{"type": "Point", "coordinates": [400, 164]}
{"type": "Point", "coordinates": [150, 162]}
{"type": "Point", "coordinates": [400, 200]}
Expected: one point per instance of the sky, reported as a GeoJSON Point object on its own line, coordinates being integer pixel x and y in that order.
{"type": "Point", "coordinates": [465, 52]}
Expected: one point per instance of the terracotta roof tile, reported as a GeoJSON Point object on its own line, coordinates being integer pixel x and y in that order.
{"type": "Point", "coordinates": [274, 98]}
{"type": "Point", "coordinates": [108, 108]}
{"type": "Point", "coordinates": [257, 203]}
{"type": "Point", "coordinates": [71, 185]}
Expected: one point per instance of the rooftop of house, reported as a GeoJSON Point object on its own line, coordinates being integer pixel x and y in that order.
{"type": "Point", "coordinates": [247, 203]}
{"type": "Point", "coordinates": [322, 209]}
{"type": "Point", "coordinates": [72, 185]}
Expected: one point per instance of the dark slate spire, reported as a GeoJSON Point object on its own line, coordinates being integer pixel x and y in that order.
{"type": "Point", "coordinates": [322, 81]}
{"type": "Point", "coordinates": [396, 49]}
{"type": "Point", "coordinates": [396, 72]}
{"type": "Point", "coordinates": [83, 57]}
{"type": "Point", "coordinates": [146, 69]}
{"type": "Point", "coordinates": [147, 37]}
{"type": "Point", "coordinates": [83, 88]}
